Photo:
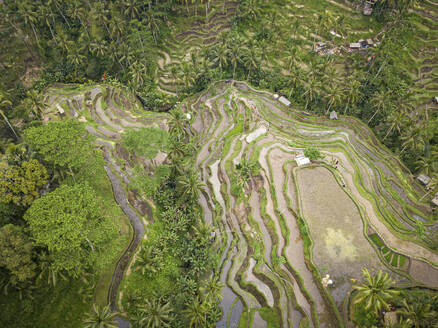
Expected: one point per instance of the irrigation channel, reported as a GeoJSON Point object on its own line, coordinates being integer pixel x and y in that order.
{"type": "Point", "coordinates": [291, 225]}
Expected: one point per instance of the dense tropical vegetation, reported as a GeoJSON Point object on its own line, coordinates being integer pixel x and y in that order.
{"type": "Point", "coordinates": [52, 175]}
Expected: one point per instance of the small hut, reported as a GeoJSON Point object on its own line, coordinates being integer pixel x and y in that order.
{"type": "Point", "coordinates": [284, 101]}
{"type": "Point", "coordinates": [302, 160]}
{"type": "Point", "coordinates": [424, 179]}
{"type": "Point", "coordinates": [333, 115]}
{"type": "Point", "coordinates": [435, 200]}
{"type": "Point", "coordinates": [60, 109]}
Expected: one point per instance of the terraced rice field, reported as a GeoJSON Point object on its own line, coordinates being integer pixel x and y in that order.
{"type": "Point", "coordinates": [294, 224]}
{"type": "Point", "coordinates": [204, 29]}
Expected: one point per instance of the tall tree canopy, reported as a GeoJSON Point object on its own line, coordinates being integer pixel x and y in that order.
{"type": "Point", "coordinates": [16, 252]}
{"type": "Point", "coordinates": [71, 223]}
{"type": "Point", "coordinates": [63, 144]}
{"type": "Point", "coordinates": [19, 184]}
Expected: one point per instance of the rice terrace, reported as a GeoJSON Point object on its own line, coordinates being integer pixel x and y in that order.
{"type": "Point", "coordinates": [221, 164]}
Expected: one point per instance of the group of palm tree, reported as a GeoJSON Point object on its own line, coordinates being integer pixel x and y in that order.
{"type": "Point", "coordinates": [377, 293]}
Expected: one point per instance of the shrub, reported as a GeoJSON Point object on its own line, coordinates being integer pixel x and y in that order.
{"type": "Point", "coordinates": [312, 153]}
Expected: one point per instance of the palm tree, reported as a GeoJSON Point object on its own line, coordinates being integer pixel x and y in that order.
{"type": "Point", "coordinates": [62, 41]}
{"type": "Point", "coordinates": [187, 74]}
{"type": "Point", "coordinates": [420, 313]}
{"type": "Point", "coordinates": [428, 164]}
{"type": "Point", "coordinates": [131, 8]}
{"type": "Point", "coordinates": [138, 72]}
{"type": "Point", "coordinates": [26, 11]}
{"type": "Point", "coordinates": [251, 60]}
{"type": "Point", "coordinates": [117, 27]}
{"type": "Point", "coordinates": [45, 15]}
{"type": "Point", "coordinates": [100, 13]}
{"type": "Point", "coordinates": [312, 91]}
{"type": "Point", "coordinates": [99, 47]}
{"type": "Point", "coordinates": [398, 119]}
{"type": "Point", "coordinates": [46, 268]}
{"type": "Point", "coordinates": [334, 97]}
{"type": "Point", "coordinates": [154, 314]}
{"type": "Point", "coordinates": [249, 10]}
{"type": "Point", "coordinates": [352, 93]}
{"type": "Point", "coordinates": [153, 23]}
{"type": "Point", "coordinates": [380, 102]}
{"type": "Point", "coordinates": [57, 4]}
{"type": "Point", "coordinates": [101, 317]}
{"type": "Point", "coordinates": [75, 57]}
{"type": "Point", "coordinates": [412, 139]}
{"type": "Point", "coordinates": [375, 291]}
{"type": "Point", "coordinates": [4, 103]}
{"type": "Point", "coordinates": [177, 123]}
{"type": "Point", "coordinates": [34, 102]}
{"type": "Point", "coordinates": [235, 53]}
{"type": "Point", "coordinates": [145, 261]}
{"type": "Point", "coordinates": [190, 185]}
{"type": "Point", "coordinates": [77, 11]}
{"type": "Point", "coordinates": [212, 290]}
{"type": "Point", "coordinates": [220, 53]}
{"type": "Point", "coordinates": [196, 313]}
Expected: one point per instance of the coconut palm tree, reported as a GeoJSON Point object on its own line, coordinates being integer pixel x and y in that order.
{"type": "Point", "coordinates": [196, 314]}
{"type": "Point", "coordinates": [100, 13]}
{"type": "Point", "coordinates": [235, 54]}
{"type": "Point", "coordinates": [45, 263]}
{"type": "Point", "coordinates": [419, 312]}
{"type": "Point", "coordinates": [34, 103]}
{"type": "Point", "coordinates": [398, 119]}
{"type": "Point", "coordinates": [177, 123]}
{"type": "Point", "coordinates": [131, 8]}
{"type": "Point", "coordinates": [75, 57]}
{"type": "Point", "coordinates": [212, 290]}
{"type": "Point", "coordinates": [220, 53]}
{"type": "Point", "coordinates": [251, 60]}
{"type": "Point", "coordinates": [77, 11]}
{"type": "Point", "coordinates": [154, 314]}
{"type": "Point", "coordinates": [5, 103]}
{"type": "Point", "coordinates": [27, 11]}
{"type": "Point", "coordinates": [411, 139]}
{"type": "Point", "coordinates": [187, 74]}
{"type": "Point", "coordinates": [57, 4]}
{"type": "Point", "coordinates": [334, 97]}
{"type": "Point", "coordinates": [190, 185]}
{"type": "Point", "coordinates": [99, 47]}
{"type": "Point", "coordinates": [312, 91]}
{"type": "Point", "coordinates": [428, 164]}
{"type": "Point", "coordinates": [153, 21]}
{"type": "Point", "coordinates": [380, 102]}
{"type": "Point", "coordinates": [375, 291]}
{"type": "Point", "coordinates": [145, 261]}
{"type": "Point", "coordinates": [101, 317]}
{"type": "Point", "coordinates": [352, 93]}
{"type": "Point", "coordinates": [46, 15]}
{"type": "Point", "coordinates": [249, 9]}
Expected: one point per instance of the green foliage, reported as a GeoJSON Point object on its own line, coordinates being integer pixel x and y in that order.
{"type": "Point", "coordinates": [16, 253]}
{"type": "Point", "coordinates": [145, 141]}
{"type": "Point", "coordinates": [155, 314]}
{"type": "Point", "coordinates": [63, 144]}
{"type": "Point", "coordinates": [82, 227]}
{"type": "Point", "coordinates": [364, 317]}
{"type": "Point", "coordinates": [21, 184]}
{"type": "Point", "coordinates": [375, 292]}
{"type": "Point", "coordinates": [312, 153]}
{"type": "Point", "coordinates": [101, 317]}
